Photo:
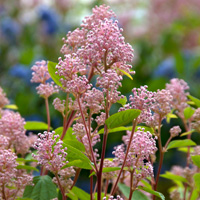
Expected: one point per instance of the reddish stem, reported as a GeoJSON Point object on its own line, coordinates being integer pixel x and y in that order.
{"type": "Point", "coordinates": [88, 136]}
{"type": "Point", "coordinates": [127, 151]}
{"type": "Point", "coordinates": [48, 114]}
{"type": "Point", "coordinates": [91, 186]}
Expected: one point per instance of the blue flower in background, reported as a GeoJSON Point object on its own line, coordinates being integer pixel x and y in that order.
{"type": "Point", "coordinates": [10, 29]}
{"type": "Point", "coordinates": [166, 69]}
{"type": "Point", "coordinates": [50, 18]}
{"type": "Point", "coordinates": [22, 72]}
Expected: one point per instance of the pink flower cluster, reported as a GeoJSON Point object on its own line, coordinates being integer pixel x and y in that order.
{"type": "Point", "coordinates": [12, 127]}
{"type": "Point", "coordinates": [177, 88]}
{"type": "Point", "coordinates": [95, 48]}
{"type": "Point", "coordinates": [143, 100]}
{"type": "Point", "coordinates": [175, 130]}
{"type": "Point", "coordinates": [65, 178]}
{"type": "Point", "coordinates": [50, 152]}
{"type": "Point", "coordinates": [12, 180]}
{"type": "Point", "coordinates": [3, 99]}
{"type": "Point", "coordinates": [112, 198]}
{"type": "Point", "coordinates": [40, 75]}
{"type": "Point", "coordinates": [142, 146]}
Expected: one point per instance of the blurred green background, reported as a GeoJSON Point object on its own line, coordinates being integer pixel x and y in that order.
{"type": "Point", "coordinates": [165, 36]}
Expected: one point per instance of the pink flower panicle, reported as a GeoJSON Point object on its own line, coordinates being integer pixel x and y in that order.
{"type": "Point", "coordinates": [47, 89]}
{"type": "Point", "coordinates": [3, 98]}
{"type": "Point", "coordinates": [40, 75]}
{"type": "Point", "coordinates": [94, 100]}
{"type": "Point", "coordinates": [40, 72]}
{"type": "Point", "coordinates": [99, 14]}
{"type": "Point", "coordinates": [50, 152]}
{"type": "Point", "coordinates": [59, 105]}
{"type": "Point", "coordinates": [8, 166]}
{"type": "Point", "coordinates": [4, 142]}
{"type": "Point", "coordinates": [12, 126]}
{"type": "Point", "coordinates": [69, 67]}
{"type": "Point", "coordinates": [177, 88]}
{"type": "Point", "coordinates": [74, 40]}
{"type": "Point", "coordinates": [65, 178]}
{"type": "Point", "coordinates": [163, 100]}
{"type": "Point", "coordinates": [109, 82]}
{"type": "Point", "coordinates": [97, 46]}
{"type": "Point", "coordinates": [196, 120]}
{"type": "Point", "coordinates": [143, 100]}
{"type": "Point", "coordinates": [109, 175]}
{"type": "Point", "coordinates": [142, 146]}
{"type": "Point", "coordinates": [100, 120]}
{"type": "Point", "coordinates": [175, 130]}
{"type": "Point", "coordinates": [78, 85]}
{"type": "Point", "coordinates": [112, 198]}
{"type": "Point", "coordinates": [105, 46]}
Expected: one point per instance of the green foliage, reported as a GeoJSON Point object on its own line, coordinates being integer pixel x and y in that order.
{"type": "Point", "coordinates": [195, 100]}
{"type": "Point", "coordinates": [122, 101]}
{"type": "Point", "coordinates": [77, 158]}
{"type": "Point", "coordinates": [122, 118]}
{"type": "Point", "coordinates": [52, 71]}
{"type": "Point", "coordinates": [173, 177]}
{"type": "Point", "coordinates": [137, 195]}
{"type": "Point", "coordinates": [158, 194]}
{"type": "Point", "coordinates": [197, 180]}
{"type": "Point", "coordinates": [128, 128]}
{"type": "Point", "coordinates": [188, 112]}
{"type": "Point", "coordinates": [11, 106]}
{"type": "Point", "coordinates": [196, 160]}
{"type": "Point", "coordinates": [180, 143]}
{"type": "Point", "coordinates": [27, 167]}
{"type": "Point", "coordinates": [34, 126]}
{"type": "Point", "coordinates": [43, 189]}
{"type": "Point", "coordinates": [187, 133]}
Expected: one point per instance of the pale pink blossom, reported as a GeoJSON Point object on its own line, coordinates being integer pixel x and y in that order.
{"type": "Point", "coordinates": [40, 72]}
{"type": "Point", "coordinates": [3, 98]}
{"type": "Point", "coordinates": [50, 152]}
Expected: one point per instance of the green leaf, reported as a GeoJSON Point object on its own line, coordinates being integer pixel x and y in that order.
{"type": "Point", "coordinates": [197, 180]}
{"type": "Point", "coordinates": [195, 100]}
{"type": "Point", "coordinates": [19, 198]}
{"type": "Point", "coordinates": [122, 118]}
{"type": "Point", "coordinates": [71, 195]}
{"type": "Point", "coordinates": [52, 71]}
{"type": "Point", "coordinates": [137, 195]}
{"type": "Point", "coordinates": [128, 128]}
{"type": "Point", "coordinates": [125, 73]}
{"type": "Point", "coordinates": [180, 143]}
{"type": "Point", "coordinates": [187, 133]}
{"type": "Point", "coordinates": [122, 101]}
{"type": "Point", "coordinates": [188, 112]}
{"type": "Point", "coordinates": [25, 160]}
{"type": "Point", "coordinates": [27, 167]}
{"type": "Point", "coordinates": [185, 149]}
{"type": "Point", "coordinates": [170, 116]}
{"type": "Point", "coordinates": [118, 129]}
{"type": "Point", "coordinates": [158, 194]}
{"type": "Point", "coordinates": [70, 139]}
{"type": "Point", "coordinates": [69, 135]}
{"type": "Point", "coordinates": [11, 106]}
{"type": "Point", "coordinates": [74, 143]}
{"type": "Point", "coordinates": [77, 158]}
{"type": "Point", "coordinates": [195, 194]}
{"type": "Point", "coordinates": [196, 160]}
{"type": "Point", "coordinates": [43, 189]}
{"type": "Point", "coordinates": [34, 125]}
{"type": "Point", "coordinates": [81, 194]}
{"type": "Point", "coordinates": [107, 169]}
{"type": "Point", "coordinates": [173, 177]}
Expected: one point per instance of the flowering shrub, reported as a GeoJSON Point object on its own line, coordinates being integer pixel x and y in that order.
{"type": "Point", "coordinates": [97, 51]}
